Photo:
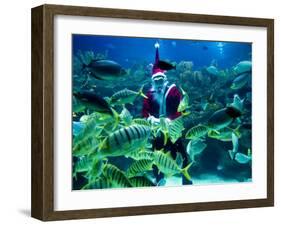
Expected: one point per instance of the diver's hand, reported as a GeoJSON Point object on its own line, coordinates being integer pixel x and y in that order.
{"type": "Point", "coordinates": [153, 121]}
{"type": "Point", "coordinates": [167, 120]}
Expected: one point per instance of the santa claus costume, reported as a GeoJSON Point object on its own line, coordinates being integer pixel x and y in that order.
{"type": "Point", "coordinates": [163, 100]}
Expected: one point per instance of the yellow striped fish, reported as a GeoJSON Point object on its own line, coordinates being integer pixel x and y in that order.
{"type": "Point", "coordinates": [98, 184]}
{"type": "Point", "coordinates": [168, 166]}
{"type": "Point", "coordinates": [116, 177]}
{"type": "Point", "coordinates": [96, 169]}
{"type": "Point", "coordinates": [126, 116]}
{"type": "Point", "coordinates": [197, 132]}
{"type": "Point", "coordinates": [141, 121]}
{"type": "Point", "coordinates": [139, 167]}
{"type": "Point", "coordinates": [124, 141]}
{"type": "Point", "coordinates": [175, 129]}
{"type": "Point", "coordinates": [138, 155]}
{"type": "Point", "coordinates": [141, 182]}
{"type": "Point", "coordinates": [84, 164]}
{"type": "Point", "coordinates": [184, 103]}
{"type": "Point", "coordinates": [164, 128]}
{"type": "Point", "coordinates": [126, 96]}
{"type": "Point", "coordinates": [90, 129]}
{"type": "Point", "coordinates": [85, 146]}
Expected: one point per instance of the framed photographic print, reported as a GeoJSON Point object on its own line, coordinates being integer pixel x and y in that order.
{"type": "Point", "coordinates": [141, 112]}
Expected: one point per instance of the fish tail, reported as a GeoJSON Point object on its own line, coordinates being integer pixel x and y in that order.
{"type": "Point", "coordinates": [182, 91]}
{"type": "Point", "coordinates": [184, 171]}
{"type": "Point", "coordinates": [141, 93]}
{"type": "Point", "coordinates": [215, 131]}
{"type": "Point", "coordinates": [116, 118]}
{"type": "Point", "coordinates": [237, 132]}
{"type": "Point", "coordinates": [210, 133]}
{"type": "Point", "coordinates": [102, 145]}
{"type": "Point", "coordinates": [231, 154]}
{"type": "Point", "coordinates": [165, 137]}
{"type": "Point", "coordinates": [185, 113]}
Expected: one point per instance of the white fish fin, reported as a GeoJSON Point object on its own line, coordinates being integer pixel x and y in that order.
{"type": "Point", "coordinates": [235, 142]}
{"type": "Point", "coordinates": [188, 147]}
{"type": "Point", "coordinates": [141, 93]}
{"type": "Point", "coordinates": [231, 154]}
{"type": "Point", "coordinates": [242, 158]}
{"type": "Point", "coordinates": [184, 171]}
{"type": "Point", "coordinates": [159, 171]}
{"type": "Point", "coordinates": [237, 132]}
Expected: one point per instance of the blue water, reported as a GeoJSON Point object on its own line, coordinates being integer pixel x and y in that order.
{"type": "Point", "coordinates": [128, 51]}
{"type": "Point", "coordinates": [213, 165]}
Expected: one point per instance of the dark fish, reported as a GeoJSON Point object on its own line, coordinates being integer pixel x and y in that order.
{"type": "Point", "coordinates": [165, 65]}
{"type": "Point", "coordinates": [223, 118]}
{"type": "Point", "coordinates": [93, 102]}
{"type": "Point", "coordinates": [105, 69]}
{"type": "Point", "coordinates": [233, 112]}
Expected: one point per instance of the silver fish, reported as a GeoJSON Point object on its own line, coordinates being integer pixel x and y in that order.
{"type": "Point", "coordinates": [194, 148]}
{"type": "Point", "coordinates": [105, 69]}
{"type": "Point", "coordinates": [240, 81]}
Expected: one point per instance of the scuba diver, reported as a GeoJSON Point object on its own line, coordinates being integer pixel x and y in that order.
{"type": "Point", "coordinates": [163, 101]}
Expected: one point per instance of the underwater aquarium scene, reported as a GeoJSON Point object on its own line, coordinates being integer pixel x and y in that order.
{"type": "Point", "coordinates": [150, 112]}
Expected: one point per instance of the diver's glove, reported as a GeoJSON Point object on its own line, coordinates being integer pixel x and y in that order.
{"type": "Point", "coordinates": [167, 120]}
{"type": "Point", "coordinates": [153, 121]}
{"type": "Point", "coordinates": [156, 121]}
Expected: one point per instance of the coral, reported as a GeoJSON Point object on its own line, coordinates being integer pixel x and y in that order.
{"type": "Point", "coordinates": [184, 66]}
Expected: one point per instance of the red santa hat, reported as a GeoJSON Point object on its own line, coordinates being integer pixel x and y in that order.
{"type": "Point", "coordinates": [156, 70]}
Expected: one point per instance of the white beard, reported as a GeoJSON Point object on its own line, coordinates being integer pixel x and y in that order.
{"type": "Point", "coordinates": [159, 94]}
{"type": "Point", "coordinates": [158, 97]}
